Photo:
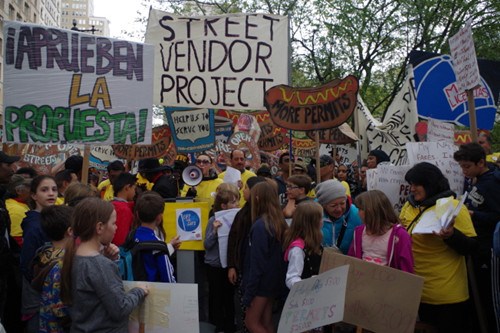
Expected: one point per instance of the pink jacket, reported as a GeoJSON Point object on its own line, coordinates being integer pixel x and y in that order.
{"type": "Point", "coordinates": [399, 253]}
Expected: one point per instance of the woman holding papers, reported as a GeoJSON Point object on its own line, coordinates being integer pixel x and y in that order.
{"type": "Point", "coordinates": [439, 255]}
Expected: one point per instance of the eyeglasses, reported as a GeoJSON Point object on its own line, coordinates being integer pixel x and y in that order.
{"type": "Point", "coordinates": [291, 187]}
{"type": "Point", "coordinates": [202, 161]}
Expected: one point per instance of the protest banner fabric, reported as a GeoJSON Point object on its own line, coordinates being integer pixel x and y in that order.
{"type": "Point", "coordinates": [225, 61]}
{"type": "Point", "coordinates": [378, 298]}
{"type": "Point", "coordinates": [169, 308]}
{"type": "Point", "coordinates": [397, 127]}
{"type": "Point", "coordinates": [63, 86]}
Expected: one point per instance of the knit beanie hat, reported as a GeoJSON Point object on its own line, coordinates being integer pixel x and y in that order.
{"type": "Point", "coordinates": [380, 155]}
{"type": "Point", "coordinates": [329, 190]}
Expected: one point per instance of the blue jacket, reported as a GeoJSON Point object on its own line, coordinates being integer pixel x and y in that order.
{"type": "Point", "coordinates": [33, 239]}
{"type": "Point", "coordinates": [158, 268]}
{"type": "Point", "coordinates": [264, 268]}
{"type": "Point", "coordinates": [331, 229]}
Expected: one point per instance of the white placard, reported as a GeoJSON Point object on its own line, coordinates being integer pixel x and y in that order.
{"type": "Point", "coordinates": [440, 154]}
{"type": "Point", "coordinates": [188, 224]}
{"type": "Point", "coordinates": [64, 86]}
{"type": "Point", "coordinates": [464, 58]}
{"type": "Point", "coordinates": [440, 131]}
{"type": "Point", "coordinates": [226, 217]}
{"type": "Point", "coordinates": [391, 180]}
{"type": "Point", "coordinates": [226, 61]}
{"type": "Point", "coordinates": [315, 302]}
{"type": "Point", "coordinates": [169, 308]}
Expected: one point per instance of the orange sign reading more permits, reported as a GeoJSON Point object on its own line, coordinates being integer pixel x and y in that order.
{"type": "Point", "coordinates": [306, 109]}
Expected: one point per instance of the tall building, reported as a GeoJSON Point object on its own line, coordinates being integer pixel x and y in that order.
{"type": "Point", "coordinates": [80, 13]}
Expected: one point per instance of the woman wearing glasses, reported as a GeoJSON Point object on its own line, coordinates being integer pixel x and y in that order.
{"type": "Point", "coordinates": [209, 183]}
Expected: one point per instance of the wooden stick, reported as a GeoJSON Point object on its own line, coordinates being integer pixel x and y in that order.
{"type": "Point", "coordinates": [85, 166]}
{"type": "Point", "coordinates": [318, 162]}
{"type": "Point", "coordinates": [472, 114]}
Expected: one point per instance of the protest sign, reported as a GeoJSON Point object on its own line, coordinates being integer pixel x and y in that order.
{"type": "Point", "coordinates": [315, 302]}
{"type": "Point", "coordinates": [63, 86]}
{"type": "Point", "coordinates": [243, 140]}
{"type": "Point", "coordinates": [226, 217]}
{"type": "Point", "coordinates": [169, 308]}
{"type": "Point", "coordinates": [441, 155]}
{"type": "Point", "coordinates": [338, 135]}
{"type": "Point", "coordinates": [390, 179]}
{"type": "Point", "coordinates": [463, 55]}
{"type": "Point", "coordinates": [160, 142]}
{"type": "Point", "coordinates": [45, 157]}
{"type": "Point", "coordinates": [186, 219]}
{"type": "Point", "coordinates": [101, 156]}
{"type": "Point", "coordinates": [192, 129]}
{"type": "Point", "coordinates": [378, 298]}
{"type": "Point", "coordinates": [440, 131]}
{"type": "Point", "coordinates": [305, 109]}
{"type": "Point", "coordinates": [347, 154]}
{"type": "Point", "coordinates": [225, 61]}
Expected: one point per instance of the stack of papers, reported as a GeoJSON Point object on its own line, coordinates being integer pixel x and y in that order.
{"type": "Point", "coordinates": [440, 217]}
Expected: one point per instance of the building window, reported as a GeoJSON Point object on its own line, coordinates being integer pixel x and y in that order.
{"type": "Point", "coordinates": [12, 12]}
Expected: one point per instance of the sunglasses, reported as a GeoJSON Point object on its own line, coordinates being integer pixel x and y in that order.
{"type": "Point", "coordinates": [202, 161]}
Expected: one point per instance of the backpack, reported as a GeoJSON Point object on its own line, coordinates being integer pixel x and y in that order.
{"type": "Point", "coordinates": [130, 263]}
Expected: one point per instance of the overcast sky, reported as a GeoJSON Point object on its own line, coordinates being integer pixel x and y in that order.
{"type": "Point", "coordinates": [120, 13]}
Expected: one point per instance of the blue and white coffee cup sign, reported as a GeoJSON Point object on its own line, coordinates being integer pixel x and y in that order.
{"type": "Point", "coordinates": [189, 224]}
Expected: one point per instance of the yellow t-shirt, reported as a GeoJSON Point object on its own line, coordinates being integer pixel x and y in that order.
{"type": "Point", "coordinates": [204, 190]}
{"type": "Point", "coordinates": [442, 267]}
{"type": "Point", "coordinates": [244, 177]}
{"type": "Point", "coordinates": [17, 212]}
{"type": "Point", "coordinates": [312, 193]}
{"type": "Point", "coordinates": [141, 180]}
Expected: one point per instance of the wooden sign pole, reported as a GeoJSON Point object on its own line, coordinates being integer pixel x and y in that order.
{"type": "Point", "coordinates": [85, 166]}
{"type": "Point", "coordinates": [318, 162]}
{"type": "Point", "coordinates": [472, 114]}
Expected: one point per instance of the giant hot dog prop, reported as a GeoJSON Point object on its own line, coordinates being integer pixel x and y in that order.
{"type": "Point", "coordinates": [306, 109]}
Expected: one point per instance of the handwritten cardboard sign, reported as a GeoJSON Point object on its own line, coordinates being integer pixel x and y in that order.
{"type": "Point", "coordinates": [225, 61]}
{"type": "Point", "coordinates": [306, 109]}
{"type": "Point", "coordinates": [441, 155]}
{"type": "Point", "coordinates": [315, 302]}
{"type": "Point", "coordinates": [378, 298]}
{"type": "Point", "coordinates": [63, 86]}
{"type": "Point", "coordinates": [169, 308]}
{"type": "Point", "coordinates": [440, 131]}
{"type": "Point", "coordinates": [192, 129]}
{"type": "Point", "coordinates": [390, 179]}
{"type": "Point", "coordinates": [464, 58]}
{"type": "Point", "coordinates": [160, 142]}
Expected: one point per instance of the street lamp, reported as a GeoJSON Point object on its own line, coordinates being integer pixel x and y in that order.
{"type": "Point", "coordinates": [74, 28]}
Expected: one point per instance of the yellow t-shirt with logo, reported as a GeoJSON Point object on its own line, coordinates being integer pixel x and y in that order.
{"type": "Point", "coordinates": [244, 177]}
{"type": "Point", "coordinates": [443, 269]}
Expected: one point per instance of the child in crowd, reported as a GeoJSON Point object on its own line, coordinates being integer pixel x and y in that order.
{"type": "Point", "coordinates": [124, 189]}
{"type": "Point", "coordinates": [76, 192]}
{"type": "Point", "coordinates": [265, 271]}
{"type": "Point", "coordinates": [297, 187]}
{"type": "Point", "coordinates": [90, 279]}
{"type": "Point", "coordinates": [54, 316]}
{"type": "Point", "coordinates": [43, 194]}
{"type": "Point", "coordinates": [221, 292]}
{"type": "Point", "coordinates": [149, 211]}
{"type": "Point", "coordinates": [381, 239]}
{"type": "Point", "coordinates": [302, 243]}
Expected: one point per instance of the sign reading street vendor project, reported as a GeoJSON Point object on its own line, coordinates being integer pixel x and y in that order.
{"type": "Point", "coordinates": [63, 86]}
{"type": "Point", "coordinates": [305, 109]}
{"type": "Point", "coordinates": [225, 61]}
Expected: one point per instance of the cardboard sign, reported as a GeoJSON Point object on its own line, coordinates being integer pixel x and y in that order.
{"type": "Point", "coordinates": [339, 135]}
{"type": "Point", "coordinates": [305, 109]}
{"type": "Point", "coordinates": [192, 129]}
{"type": "Point", "coordinates": [440, 131]}
{"type": "Point", "coordinates": [391, 180]}
{"type": "Point", "coordinates": [441, 155]}
{"type": "Point", "coordinates": [226, 61]}
{"type": "Point", "coordinates": [171, 222]}
{"type": "Point", "coordinates": [315, 302]}
{"type": "Point", "coordinates": [63, 86]}
{"type": "Point", "coordinates": [160, 142]}
{"type": "Point", "coordinates": [272, 138]}
{"type": "Point", "coordinates": [464, 59]}
{"type": "Point", "coordinates": [101, 156]}
{"type": "Point", "coordinates": [378, 298]}
{"type": "Point", "coordinates": [169, 308]}
{"type": "Point", "coordinates": [44, 157]}
{"type": "Point", "coordinates": [244, 140]}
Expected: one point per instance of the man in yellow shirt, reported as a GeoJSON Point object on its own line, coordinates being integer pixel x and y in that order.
{"type": "Point", "coordinates": [238, 159]}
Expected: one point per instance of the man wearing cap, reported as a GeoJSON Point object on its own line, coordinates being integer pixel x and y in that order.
{"type": "Point", "coordinates": [340, 217]}
{"type": "Point", "coordinates": [238, 159]}
{"type": "Point", "coordinates": [10, 292]}
{"type": "Point", "coordinates": [161, 176]}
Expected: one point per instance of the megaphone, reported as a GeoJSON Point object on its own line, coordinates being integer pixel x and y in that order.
{"type": "Point", "coordinates": [192, 175]}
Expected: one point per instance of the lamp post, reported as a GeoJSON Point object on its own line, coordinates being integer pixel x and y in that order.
{"type": "Point", "coordinates": [74, 28]}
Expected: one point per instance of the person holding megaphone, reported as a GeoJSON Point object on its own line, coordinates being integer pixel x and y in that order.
{"type": "Point", "coordinates": [201, 180]}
